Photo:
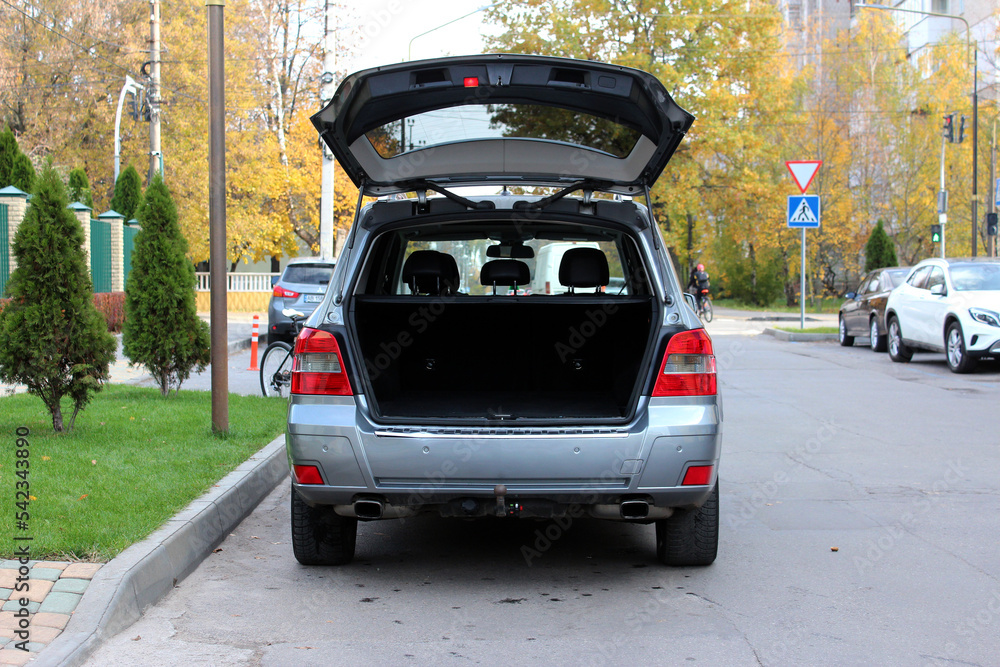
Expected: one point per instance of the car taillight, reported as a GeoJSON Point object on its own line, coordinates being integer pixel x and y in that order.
{"type": "Point", "coordinates": [281, 292]}
{"type": "Point", "coordinates": [318, 367]}
{"type": "Point", "coordinates": [688, 367]}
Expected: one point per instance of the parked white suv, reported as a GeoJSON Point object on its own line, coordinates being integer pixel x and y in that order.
{"type": "Point", "coordinates": [950, 306]}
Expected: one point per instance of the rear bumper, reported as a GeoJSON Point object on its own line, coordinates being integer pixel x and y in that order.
{"type": "Point", "coordinates": [550, 469]}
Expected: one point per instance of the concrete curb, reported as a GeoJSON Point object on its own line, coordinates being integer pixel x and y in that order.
{"type": "Point", "coordinates": [797, 337]}
{"type": "Point", "coordinates": [145, 572]}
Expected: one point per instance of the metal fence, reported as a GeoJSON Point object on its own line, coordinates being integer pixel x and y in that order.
{"type": "Point", "coordinates": [239, 282]}
{"type": "Point", "coordinates": [128, 245]}
{"type": "Point", "coordinates": [100, 255]}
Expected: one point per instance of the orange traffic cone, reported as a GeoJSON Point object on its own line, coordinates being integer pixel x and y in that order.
{"type": "Point", "coordinates": [253, 346]}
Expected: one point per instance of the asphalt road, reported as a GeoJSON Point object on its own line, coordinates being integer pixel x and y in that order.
{"type": "Point", "coordinates": [859, 503]}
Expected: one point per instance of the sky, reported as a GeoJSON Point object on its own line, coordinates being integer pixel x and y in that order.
{"type": "Point", "coordinates": [387, 27]}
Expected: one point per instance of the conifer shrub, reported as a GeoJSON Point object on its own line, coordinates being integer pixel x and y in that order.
{"type": "Point", "coordinates": [52, 339]}
{"type": "Point", "coordinates": [879, 250]}
{"type": "Point", "coordinates": [128, 193]}
{"type": "Point", "coordinates": [162, 330]}
{"type": "Point", "coordinates": [15, 167]}
{"type": "Point", "coordinates": [79, 188]}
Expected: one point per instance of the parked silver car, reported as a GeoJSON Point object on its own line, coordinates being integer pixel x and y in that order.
{"type": "Point", "coordinates": [427, 381]}
{"type": "Point", "coordinates": [300, 287]}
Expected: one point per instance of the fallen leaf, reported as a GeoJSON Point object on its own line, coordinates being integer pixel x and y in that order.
{"type": "Point", "coordinates": [254, 537]}
{"type": "Point", "coordinates": [83, 496]}
{"type": "Point", "coordinates": [46, 458]}
{"type": "Point", "coordinates": [93, 462]}
{"type": "Point", "coordinates": [215, 551]}
{"type": "Point", "coordinates": [136, 638]}
{"type": "Point", "coordinates": [834, 548]}
{"type": "Point", "coordinates": [32, 498]}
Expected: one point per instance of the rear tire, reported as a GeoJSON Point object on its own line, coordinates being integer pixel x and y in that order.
{"type": "Point", "coordinates": [845, 340]}
{"type": "Point", "coordinates": [276, 370]}
{"type": "Point", "coordinates": [320, 536]}
{"type": "Point", "coordinates": [959, 360]}
{"type": "Point", "coordinates": [690, 537]}
{"type": "Point", "coordinates": [878, 342]}
{"type": "Point", "coordinates": [897, 349]}
{"type": "Point", "coordinates": [707, 310]}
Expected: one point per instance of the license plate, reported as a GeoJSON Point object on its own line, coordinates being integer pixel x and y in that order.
{"type": "Point", "coordinates": [313, 298]}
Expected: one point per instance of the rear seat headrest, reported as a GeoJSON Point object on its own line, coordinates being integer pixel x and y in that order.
{"type": "Point", "coordinates": [584, 267]}
{"type": "Point", "coordinates": [431, 272]}
{"type": "Point", "coordinates": [505, 272]}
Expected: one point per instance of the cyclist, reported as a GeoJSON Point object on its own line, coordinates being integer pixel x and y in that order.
{"type": "Point", "coordinates": [699, 284]}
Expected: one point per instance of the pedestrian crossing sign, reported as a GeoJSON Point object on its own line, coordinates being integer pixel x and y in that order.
{"type": "Point", "coordinates": [803, 211]}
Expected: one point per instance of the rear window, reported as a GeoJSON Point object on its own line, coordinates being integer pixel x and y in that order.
{"type": "Point", "coordinates": [523, 121]}
{"type": "Point", "coordinates": [308, 274]}
{"type": "Point", "coordinates": [472, 246]}
{"type": "Point", "coordinates": [895, 278]}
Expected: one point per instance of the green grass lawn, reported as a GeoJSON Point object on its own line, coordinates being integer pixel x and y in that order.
{"type": "Point", "coordinates": [133, 460]}
{"type": "Point", "coordinates": [829, 305]}
{"type": "Point", "coordinates": [816, 330]}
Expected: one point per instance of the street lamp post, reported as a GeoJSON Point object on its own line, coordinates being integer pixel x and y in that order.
{"type": "Point", "coordinates": [975, 105]}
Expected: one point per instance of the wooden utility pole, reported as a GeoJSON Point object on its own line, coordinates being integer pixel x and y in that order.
{"type": "Point", "coordinates": [217, 213]}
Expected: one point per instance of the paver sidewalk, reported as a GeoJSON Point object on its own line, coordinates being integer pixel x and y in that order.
{"type": "Point", "coordinates": [54, 589]}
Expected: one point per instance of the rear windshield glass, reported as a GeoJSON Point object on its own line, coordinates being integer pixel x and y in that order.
{"type": "Point", "coordinates": [525, 121]}
{"type": "Point", "coordinates": [308, 274]}
{"type": "Point", "coordinates": [896, 278]}
{"type": "Point", "coordinates": [539, 249]}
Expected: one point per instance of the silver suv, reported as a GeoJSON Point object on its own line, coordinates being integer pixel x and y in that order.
{"type": "Point", "coordinates": [429, 380]}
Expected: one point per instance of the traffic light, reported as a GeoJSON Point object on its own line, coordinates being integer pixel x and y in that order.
{"type": "Point", "coordinates": [961, 129]}
{"type": "Point", "coordinates": [991, 224]}
{"type": "Point", "coordinates": [936, 233]}
{"type": "Point", "coordinates": [949, 128]}
{"type": "Point", "coordinates": [133, 109]}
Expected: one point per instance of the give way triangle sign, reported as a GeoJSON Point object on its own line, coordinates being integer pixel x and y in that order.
{"type": "Point", "coordinates": [803, 171]}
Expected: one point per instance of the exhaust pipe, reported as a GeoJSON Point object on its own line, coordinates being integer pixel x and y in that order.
{"type": "Point", "coordinates": [368, 509]}
{"type": "Point", "coordinates": [634, 509]}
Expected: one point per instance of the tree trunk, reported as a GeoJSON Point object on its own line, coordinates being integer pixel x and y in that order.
{"type": "Point", "coordinates": [57, 420]}
{"type": "Point", "coordinates": [72, 419]}
{"type": "Point", "coordinates": [789, 287]}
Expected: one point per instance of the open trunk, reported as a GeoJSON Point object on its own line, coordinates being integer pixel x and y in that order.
{"type": "Point", "coordinates": [503, 358]}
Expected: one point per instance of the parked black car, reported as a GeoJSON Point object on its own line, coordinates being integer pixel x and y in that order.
{"type": "Point", "coordinates": [863, 314]}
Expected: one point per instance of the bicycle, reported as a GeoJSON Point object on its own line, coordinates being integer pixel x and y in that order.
{"type": "Point", "coordinates": [705, 306]}
{"type": "Point", "coordinates": [276, 364]}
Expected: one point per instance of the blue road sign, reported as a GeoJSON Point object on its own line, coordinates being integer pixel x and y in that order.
{"type": "Point", "coordinates": [803, 210]}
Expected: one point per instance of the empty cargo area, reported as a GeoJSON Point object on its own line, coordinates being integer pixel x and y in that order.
{"type": "Point", "coordinates": [502, 358]}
